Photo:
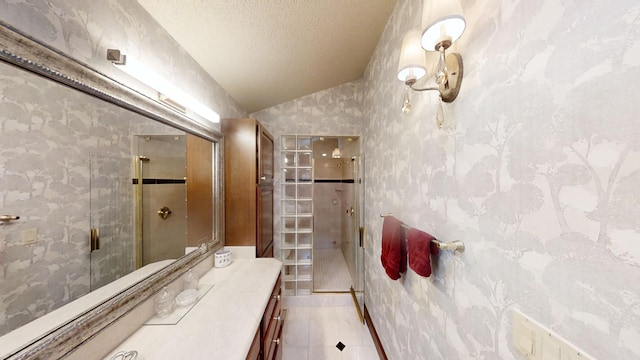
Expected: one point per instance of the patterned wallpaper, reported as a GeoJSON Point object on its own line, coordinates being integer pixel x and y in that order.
{"type": "Point", "coordinates": [537, 173]}
{"type": "Point", "coordinates": [61, 165]}
{"type": "Point", "coordinates": [536, 170]}
{"type": "Point", "coordinates": [65, 166]}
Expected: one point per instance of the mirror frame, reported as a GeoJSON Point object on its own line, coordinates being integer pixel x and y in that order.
{"type": "Point", "coordinates": [31, 55]}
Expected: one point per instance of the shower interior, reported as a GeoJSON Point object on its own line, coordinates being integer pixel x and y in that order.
{"type": "Point", "coordinates": [140, 220]}
{"type": "Point", "coordinates": [334, 206]}
{"type": "Point", "coordinates": [161, 198]}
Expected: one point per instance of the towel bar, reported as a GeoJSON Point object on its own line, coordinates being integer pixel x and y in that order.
{"type": "Point", "coordinates": [456, 245]}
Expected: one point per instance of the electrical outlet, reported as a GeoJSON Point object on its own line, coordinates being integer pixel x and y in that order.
{"type": "Point", "coordinates": [29, 236]}
{"type": "Point", "coordinates": [536, 342]}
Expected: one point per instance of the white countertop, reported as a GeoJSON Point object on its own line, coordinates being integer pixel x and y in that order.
{"type": "Point", "coordinates": [25, 334]}
{"type": "Point", "coordinates": [221, 325]}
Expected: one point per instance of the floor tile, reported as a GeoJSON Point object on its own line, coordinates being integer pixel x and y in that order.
{"type": "Point", "coordinates": [360, 353]}
{"type": "Point", "coordinates": [312, 333]}
{"type": "Point", "coordinates": [354, 333]}
{"type": "Point", "coordinates": [324, 353]}
{"type": "Point", "coordinates": [330, 271]}
{"type": "Point", "coordinates": [298, 313]}
{"type": "Point", "coordinates": [296, 333]}
{"type": "Point", "coordinates": [323, 332]}
{"type": "Point", "coordinates": [295, 353]}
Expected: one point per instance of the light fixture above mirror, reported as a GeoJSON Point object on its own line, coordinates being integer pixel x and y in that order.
{"type": "Point", "coordinates": [167, 93]}
{"type": "Point", "coordinates": [442, 24]}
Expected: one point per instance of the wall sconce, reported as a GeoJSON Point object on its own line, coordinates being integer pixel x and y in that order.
{"type": "Point", "coordinates": [442, 24]}
{"type": "Point", "coordinates": [167, 92]}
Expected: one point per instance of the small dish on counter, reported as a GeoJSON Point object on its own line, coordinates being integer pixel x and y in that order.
{"type": "Point", "coordinates": [187, 297]}
{"type": "Point", "coordinates": [183, 303]}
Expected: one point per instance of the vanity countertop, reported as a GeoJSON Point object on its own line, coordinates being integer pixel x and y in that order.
{"type": "Point", "coordinates": [221, 325]}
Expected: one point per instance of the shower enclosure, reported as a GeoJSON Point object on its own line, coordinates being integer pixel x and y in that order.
{"type": "Point", "coordinates": [155, 198]}
{"type": "Point", "coordinates": [160, 201]}
{"type": "Point", "coordinates": [321, 215]}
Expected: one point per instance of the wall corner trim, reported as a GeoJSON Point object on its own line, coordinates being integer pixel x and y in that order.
{"type": "Point", "coordinates": [374, 334]}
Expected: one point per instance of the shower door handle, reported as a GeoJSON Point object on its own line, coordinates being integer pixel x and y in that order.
{"type": "Point", "coordinates": [95, 239]}
{"type": "Point", "coordinates": [164, 212]}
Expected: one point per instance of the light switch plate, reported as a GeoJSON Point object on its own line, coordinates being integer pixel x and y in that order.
{"type": "Point", "coordinates": [29, 236]}
{"type": "Point", "coordinates": [544, 344]}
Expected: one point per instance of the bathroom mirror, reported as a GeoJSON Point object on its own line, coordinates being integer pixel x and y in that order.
{"type": "Point", "coordinates": [98, 182]}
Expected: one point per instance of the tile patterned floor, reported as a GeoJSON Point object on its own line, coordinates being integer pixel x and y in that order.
{"type": "Point", "coordinates": [330, 271]}
{"type": "Point", "coordinates": [312, 333]}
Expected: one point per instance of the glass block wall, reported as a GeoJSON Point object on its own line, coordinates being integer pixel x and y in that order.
{"type": "Point", "coordinates": [297, 214]}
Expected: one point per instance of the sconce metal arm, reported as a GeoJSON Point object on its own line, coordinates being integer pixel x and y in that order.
{"type": "Point", "coordinates": [412, 82]}
{"type": "Point", "coordinates": [448, 91]}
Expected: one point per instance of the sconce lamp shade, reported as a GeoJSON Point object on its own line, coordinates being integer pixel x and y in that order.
{"type": "Point", "coordinates": [442, 20]}
{"type": "Point", "coordinates": [412, 58]}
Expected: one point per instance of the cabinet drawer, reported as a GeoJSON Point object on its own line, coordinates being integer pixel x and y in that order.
{"type": "Point", "coordinates": [271, 306]}
{"type": "Point", "coordinates": [273, 350]}
{"type": "Point", "coordinates": [278, 348]}
{"type": "Point", "coordinates": [254, 352]}
{"type": "Point", "coordinates": [272, 330]}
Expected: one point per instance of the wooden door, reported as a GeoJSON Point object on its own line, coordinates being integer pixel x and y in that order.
{"type": "Point", "coordinates": [265, 220]}
{"type": "Point", "coordinates": [265, 148]}
{"type": "Point", "coordinates": [199, 190]}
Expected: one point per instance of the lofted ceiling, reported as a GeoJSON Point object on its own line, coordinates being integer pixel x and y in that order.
{"type": "Point", "coordinates": [266, 52]}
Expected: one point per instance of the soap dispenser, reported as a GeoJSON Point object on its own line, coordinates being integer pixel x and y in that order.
{"type": "Point", "coordinates": [190, 281]}
{"type": "Point", "coordinates": [164, 302]}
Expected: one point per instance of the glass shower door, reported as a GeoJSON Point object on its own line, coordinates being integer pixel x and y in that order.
{"type": "Point", "coordinates": [357, 230]}
{"type": "Point", "coordinates": [110, 219]}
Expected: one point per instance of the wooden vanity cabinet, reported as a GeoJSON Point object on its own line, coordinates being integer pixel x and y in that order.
{"type": "Point", "coordinates": [271, 326]}
{"type": "Point", "coordinates": [267, 342]}
{"type": "Point", "coordinates": [254, 352]}
{"type": "Point", "coordinates": [248, 157]}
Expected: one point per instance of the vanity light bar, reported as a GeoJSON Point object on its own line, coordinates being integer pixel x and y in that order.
{"type": "Point", "coordinates": [167, 90]}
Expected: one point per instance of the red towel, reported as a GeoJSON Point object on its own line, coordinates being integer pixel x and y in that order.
{"type": "Point", "coordinates": [394, 249]}
{"type": "Point", "coordinates": [421, 246]}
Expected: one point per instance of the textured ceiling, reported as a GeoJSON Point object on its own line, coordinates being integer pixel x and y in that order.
{"type": "Point", "coordinates": [267, 52]}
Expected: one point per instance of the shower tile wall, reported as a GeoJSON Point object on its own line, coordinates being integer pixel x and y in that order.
{"type": "Point", "coordinates": [163, 238]}
{"type": "Point", "coordinates": [327, 204]}
{"type": "Point", "coordinates": [327, 196]}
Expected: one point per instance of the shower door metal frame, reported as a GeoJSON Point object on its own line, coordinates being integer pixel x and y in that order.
{"type": "Point", "coordinates": [359, 234]}
{"type": "Point", "coordinates": [138, 160]}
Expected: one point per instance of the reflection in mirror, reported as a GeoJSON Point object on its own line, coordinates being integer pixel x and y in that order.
{"type": "Point", "coordinates": [90, 208]}
{"type": "Point", "coordinates": [160, 202]}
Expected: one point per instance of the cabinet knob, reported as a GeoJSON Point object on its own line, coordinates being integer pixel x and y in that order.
{"type": "Point", "coordinates": [277, 341]}
{"type": "Point", "coordinates": [276, 318]}
{"type": "Point", "coordinates": [277, 297]}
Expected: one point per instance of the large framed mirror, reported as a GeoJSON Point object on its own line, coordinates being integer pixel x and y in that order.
{"type": "Point", "coordinates": [100, 186]}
